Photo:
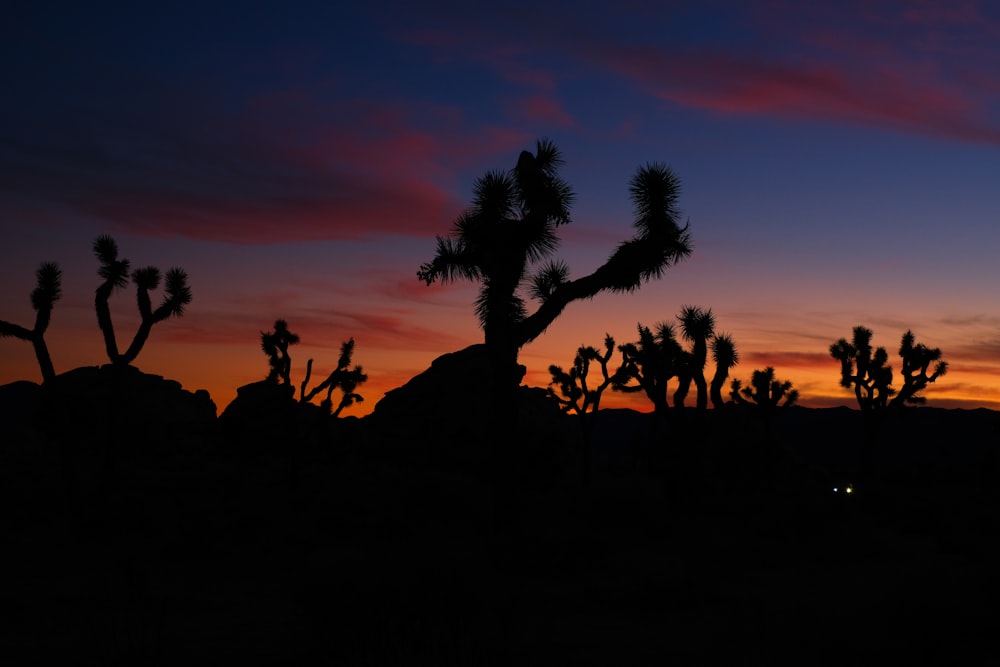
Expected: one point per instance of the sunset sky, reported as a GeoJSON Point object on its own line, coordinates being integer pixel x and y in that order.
{"type": "Point", "coordinates": [839, 160]}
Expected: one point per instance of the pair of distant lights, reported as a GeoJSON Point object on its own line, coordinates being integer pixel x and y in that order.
{"type": "Point", "coordinates": [848, 489]}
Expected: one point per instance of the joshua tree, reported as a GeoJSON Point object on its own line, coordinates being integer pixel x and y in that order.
{"type": "Point", "coordinates": [275, 345]}
{"type": "Point", "coordinates": [726, 357]}
{"type": "Point", "coordinates": [569, 388]}
{"type": "Point", "coordinates": [765, 391]}
{"type": "Point", "coordinates": [650, 363]}
{"type": "Point", "coordinates": [573, 393]}
{"type": "Point", "coordinates": [511, 226]}
{"type": "Point", "coordinates": [866, 371]}
{"type": "Point", "coordinates": [916, 359]}
{"type": "Point", "coordinates": [348, 379]}
{"type": "Point", "coordinates": [43, 297]}
{"type": "Point", "coordinates": [697, 326]}
{"type": "Point", "coordinates": [115, 273]}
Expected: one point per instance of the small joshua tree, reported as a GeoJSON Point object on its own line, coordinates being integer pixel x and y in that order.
{"type": "Point", "coordinates": [568, 389]}
{"type": "Point", "coordinates": [572, 393]}
{"type": "Point", "coordinates": [348, 379]}
{"type": "Point", "coordinates": [275, 345]}
{"type": "Point", "coordinates": [115, 273]}
{"type": "Point", "coordinates": [765, 391]}
{"type": "Point", "coordinates": [43, 297]}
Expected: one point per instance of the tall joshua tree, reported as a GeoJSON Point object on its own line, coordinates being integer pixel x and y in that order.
{"type": "Point", "coordinates": [697, 326]}
{"type": "Point", "coordinates": [511, 227]}
{"type": "Point", "coordinates": [726, 357]}
{"type": "Point", "coordinates": [275, 345]}
{"type": "Point", "coordinates": [115, 273]}
{"type": "Point", "coordinates": [47, 291]}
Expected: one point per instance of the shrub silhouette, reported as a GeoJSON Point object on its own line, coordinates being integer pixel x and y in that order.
{"type": "Point", "coordinates": [115, 273]}
{"type": "Point", "coordinates": [866, 370]}
{"type": "Point", "coordinates": [511, 226]}
{"type": "Point", "coordinates": [47, 291]}
{"type": "Point", "coordinates": [764, 392]}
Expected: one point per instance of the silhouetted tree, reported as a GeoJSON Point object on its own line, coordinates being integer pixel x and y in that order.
{"type": "Point", "coordinates": [115, 272]}
{"type": "Point", "coordinates": [47, 291]}
{"type": "Point", "coordinates": [346, 378]}
{"type": "Point", "coordinates": [765, 391]}
{"type": "Point", "coordinates": [275, 345]}
{"type": "Point", "coordinates": [569, 389]}
{"type": "Point", "coordinates": [649, 364]}
{"type": "Point", "coordinates": [916, 359]}
{"type": "Point", "coordinates": [573, 393]}
{"type": "Point", "coordinates": [866, 370]}
{"type": "Point", "coordinates": [726, 357]}
{"type": "Point", "coordinates": [511, 226]}
{"type": "Point", "coordinates": [697, 326]}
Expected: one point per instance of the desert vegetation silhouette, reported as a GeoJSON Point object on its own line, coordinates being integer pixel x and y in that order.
{"type": "Point", "coordinates": [764, 391]}
{"type": "Point", "coordinates": [275, 345]}
{"type": "Point", "coordinates": [865, 370]}
{"type": "Point", "coordinates": [697, 327]}
{"type": "Point", "coordinates": [657, 357]}
{"type": "Point", "coordinates": [115, 273]}
{"type": "Point", "coordinates": [47, 291]}
{"type": "Point", "coordinates": [510, 229]}
{"type": "Point", "coordinates": [572, 391]}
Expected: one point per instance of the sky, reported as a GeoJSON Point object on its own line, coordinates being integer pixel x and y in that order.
{"type": "Point", "coordinates": [838, 163]}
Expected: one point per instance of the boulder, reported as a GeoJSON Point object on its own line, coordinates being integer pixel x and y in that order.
{"type": "Point", "coordinates": [121, 404]}
{"type": "Point", "coordinates": [447, 410]}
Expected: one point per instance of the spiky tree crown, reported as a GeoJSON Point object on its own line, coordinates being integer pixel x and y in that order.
{"type": "Point", "coordinates": [49, 286]}
{"type": "Point", "coordinates": [113, 270]}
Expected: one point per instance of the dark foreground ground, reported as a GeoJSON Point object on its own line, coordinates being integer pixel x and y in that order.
{"type": "Point", "coordinates": [378, 554]}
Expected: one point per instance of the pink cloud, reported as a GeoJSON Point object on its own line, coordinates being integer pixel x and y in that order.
{"type": "Point", "coordinates": [542, 109]}
{"type": "Point", "coordinates": [736, 84]}
{"type": "Point", "coordinates": [294, 168]}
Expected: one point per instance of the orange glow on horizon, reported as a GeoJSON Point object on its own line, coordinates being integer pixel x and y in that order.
{"type": "Point", "coordinates": [222, 369]}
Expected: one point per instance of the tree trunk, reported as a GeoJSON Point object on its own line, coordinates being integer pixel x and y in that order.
{"type": "Point", "coordinates": [44, 360]}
